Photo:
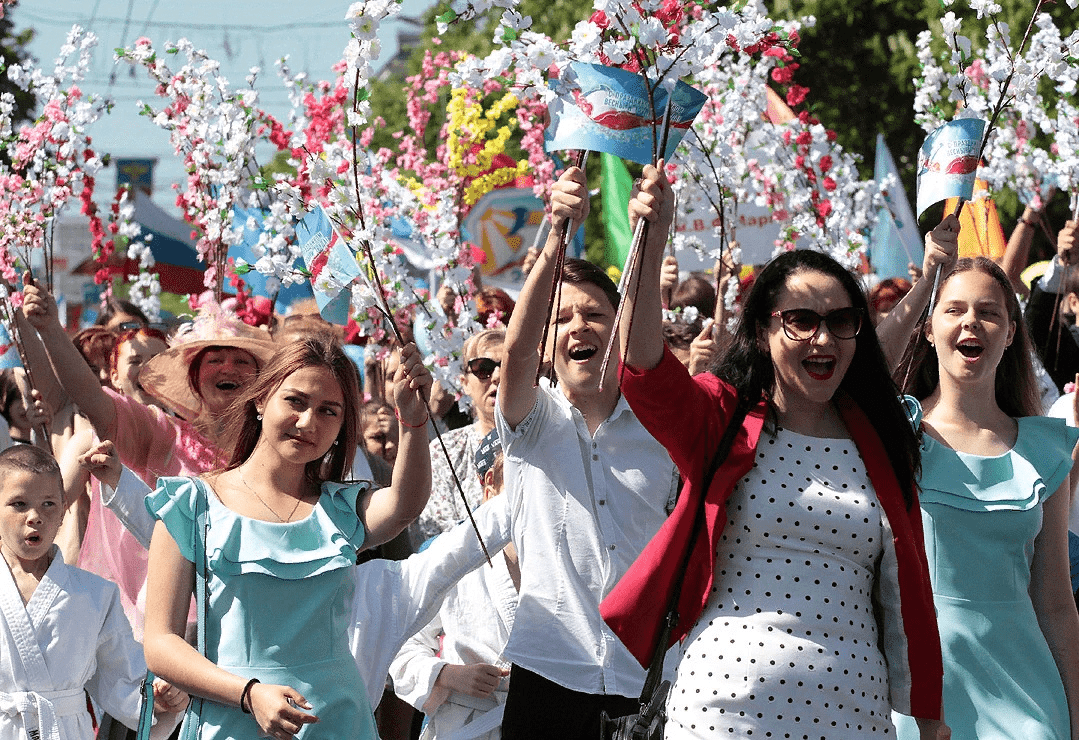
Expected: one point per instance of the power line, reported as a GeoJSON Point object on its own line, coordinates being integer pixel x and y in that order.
{"type": "Point", "coordinates": [23, 13]}
{"type": "Point", "coordinates": [146, 23]}
{"type": "Point", "coordinates": [123, 37]}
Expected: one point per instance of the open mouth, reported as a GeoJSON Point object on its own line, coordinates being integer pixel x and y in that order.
{"type": "Point", "coordinates": [33, 539]}
{"type": "Point", "coordinates": [970, 348]}
{"type": "Point", "coordinates": [821, 368]}
{"type": "Point", "coordinates": [582, 352]}
{"type": "Point", "coordinates": [227, 385]}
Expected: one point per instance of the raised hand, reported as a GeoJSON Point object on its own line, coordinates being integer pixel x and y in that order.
{"type": "Point", "coordinates": [942, 247]}
{"type": "Point", "coordinates": [412, 386]}
{"type": "Point", "coordinates": [703, 349]}
{"type": "Point", "coordinates": [103, 462]}
{"type": "Point", "coordinates": [569, 199]}
{"type": "Point", "coordinates": [38, 305]}
{"type": "Point", "coordinates": [1068, 243]}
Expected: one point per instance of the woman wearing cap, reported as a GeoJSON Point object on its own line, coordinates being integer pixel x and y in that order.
{"type": "Point", "coordinates": [211, 361]}
{"type": "Point", "coordinates": [482, 359]}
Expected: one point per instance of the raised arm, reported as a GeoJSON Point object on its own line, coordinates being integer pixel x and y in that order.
{"type": "Point", "coordinates": [387, 511]}
{"type": "Point", "coordinates": [941, 252]}
{"type": "Point", "coordinates": [44, 378]}
{"type": "Point", "coordinates": [520, 359]}
{"type": "Point", "coordinates": [654, 202]}
{"type": "Point", "coordinates": [1017, 252]}
{"type": "Point", "coordinates": [69, 366]}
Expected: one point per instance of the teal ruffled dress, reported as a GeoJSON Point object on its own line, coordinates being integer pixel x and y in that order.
{"type": "Point", "coordinates": [279, 597]}
{"type": "Point", "coordinates": [981, 516]}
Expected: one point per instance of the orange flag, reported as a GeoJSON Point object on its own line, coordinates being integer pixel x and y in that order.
{"type": "Point", "coordinates": [980, 233]}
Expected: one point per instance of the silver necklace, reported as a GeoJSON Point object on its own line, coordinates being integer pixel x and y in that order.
{"type": "Point", "coordinates": [268, 507]}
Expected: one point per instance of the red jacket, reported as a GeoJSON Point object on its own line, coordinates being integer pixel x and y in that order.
{"type": "Point", "coordinates": [688, 416]}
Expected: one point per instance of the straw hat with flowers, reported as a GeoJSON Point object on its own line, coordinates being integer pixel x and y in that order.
{"type": "Point", "coordinates": [166, 376]}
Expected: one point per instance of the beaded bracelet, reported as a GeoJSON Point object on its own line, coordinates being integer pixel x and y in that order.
{"type": "Point", "coordinates": [411, 426]}
{"type": "Point", "coordinates": [245, 696]}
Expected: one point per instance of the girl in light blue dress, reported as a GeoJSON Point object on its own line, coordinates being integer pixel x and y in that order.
{"type": "Point", "coordinates": [995, 501]}
{"type": "Point", "coordinates": [282, 537]}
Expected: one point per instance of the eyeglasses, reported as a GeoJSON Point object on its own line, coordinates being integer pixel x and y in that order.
{"type": "Point", "coordinates": [802, 324]}
{"type": "Point", "coordinates": [133, 325]}
{"type": "Point", "coordinates": [483, 367]}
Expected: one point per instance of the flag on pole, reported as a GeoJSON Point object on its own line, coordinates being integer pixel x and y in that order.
{"type": "Point", "coordinates": [615, 187]}
{"type": "Point", "coordinates": [948, 161]}
{"type": "Point", "coordinates": [607, 109]}
{"type": "Point", "coordinates": [895, 241]}
{"type": "Point", "coordinates": [980, 233]}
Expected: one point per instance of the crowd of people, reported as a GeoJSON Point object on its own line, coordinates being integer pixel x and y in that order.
{"type": "Point", "coordinates": [861, 503]}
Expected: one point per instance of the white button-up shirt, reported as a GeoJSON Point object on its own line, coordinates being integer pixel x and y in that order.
{"type": "Point", "coordinates": [583, 507]}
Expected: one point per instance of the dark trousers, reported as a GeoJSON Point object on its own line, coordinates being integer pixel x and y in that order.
{"type": "Point", "coordinates": [538, 709]}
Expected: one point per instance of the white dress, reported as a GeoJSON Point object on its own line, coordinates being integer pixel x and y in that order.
{"type": "Point", "coordinates": [787, 646]}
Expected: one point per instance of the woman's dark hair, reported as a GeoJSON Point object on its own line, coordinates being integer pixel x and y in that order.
{"type": "Point", "coordinates": [697, 292]}
{"type": "Point", "coordinates": [9, 392]}
{"type": "Point", "coordinates": [1016, 387]}
{"type": "Point", "coordinates": [578, 272]}
{"type": "Point", "coordinates": [315, 350]}
{"type": "Point", "coordinates": [114, 306]}
{"type": "Point", "coordinates": [144, 332]}
{"type": "Point", "coordinates": [92, 340]}
{"type": "Point", "coordinates": [748, 367]}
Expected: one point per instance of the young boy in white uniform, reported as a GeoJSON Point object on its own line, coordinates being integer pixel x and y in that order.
{"type": "Point", "coordinates": [63, 632]}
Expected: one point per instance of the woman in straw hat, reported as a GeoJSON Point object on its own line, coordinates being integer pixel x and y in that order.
{"type": "Point", "coordinates": [210, 363]}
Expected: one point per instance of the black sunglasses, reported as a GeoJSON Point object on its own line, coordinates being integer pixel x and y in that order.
{"type": "Point", "coordinates": [483, 367]}
{"type": "Point", "coordinates": [802, 324]}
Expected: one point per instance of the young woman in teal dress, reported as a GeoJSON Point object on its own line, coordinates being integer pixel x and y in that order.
{"type": "Point", "coordinates": [282, 535]}
{"type": "Point", "coordinates": [995, 500]}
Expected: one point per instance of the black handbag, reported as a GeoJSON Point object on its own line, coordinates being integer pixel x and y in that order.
{"type": "Point", "coordinates": [648, 723]}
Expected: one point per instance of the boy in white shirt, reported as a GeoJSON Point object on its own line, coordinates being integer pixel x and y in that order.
{"type": "Point", "coordinates": [588, 488]}
{"type": "Point", "coordinates": [63, 632]}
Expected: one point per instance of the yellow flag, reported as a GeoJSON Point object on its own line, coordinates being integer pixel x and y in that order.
{"type": "Point", "coordinates": [980, 233]}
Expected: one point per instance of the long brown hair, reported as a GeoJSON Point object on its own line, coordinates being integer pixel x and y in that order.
{"type": "Point", "coordinates": [315, 350]}
{"type": "Point", "coordinates": [1015, 385]}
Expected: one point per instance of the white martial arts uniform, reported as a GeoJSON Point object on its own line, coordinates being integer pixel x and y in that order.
{"type": "Point", "coordinates": [476, 617]}
{"type": "Point", "coordinates": [71, 637]}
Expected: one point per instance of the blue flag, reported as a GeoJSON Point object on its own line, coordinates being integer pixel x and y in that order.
{"type": "Point", "coordinates": [948, 162]}
{"type": "Point", "coordinates": [895, 241]}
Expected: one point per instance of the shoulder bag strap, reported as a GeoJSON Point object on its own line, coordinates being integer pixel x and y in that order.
{"type": "Point", "coordinates": [193, 722]}
{"type": "Point", "coordinates": [146, 711]}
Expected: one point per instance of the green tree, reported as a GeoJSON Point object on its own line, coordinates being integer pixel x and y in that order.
{"type": "Point", "coordinates": [859, 62]}
{"type": "Point", "coordinates": [14, 50]}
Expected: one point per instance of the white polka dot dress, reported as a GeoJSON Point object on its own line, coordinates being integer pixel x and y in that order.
{"type": "Point", "coordinates": [787, 645]}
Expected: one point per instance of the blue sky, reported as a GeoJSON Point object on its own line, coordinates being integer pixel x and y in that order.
{"type": "Point", "coordinates": [238, 33]}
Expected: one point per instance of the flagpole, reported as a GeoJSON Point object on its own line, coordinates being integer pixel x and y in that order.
{"type": "Point", "coordinates": [640, 234]}
{"type": "Point", "coordinates": [555, 298]}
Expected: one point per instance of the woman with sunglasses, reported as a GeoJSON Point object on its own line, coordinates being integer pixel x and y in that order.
{"type": "Point", "coordinates": [995, 499]}
{"type": "Point", "coordinates": [482, 360]}
{"type": "Point", "coordinates": [806, 607]}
